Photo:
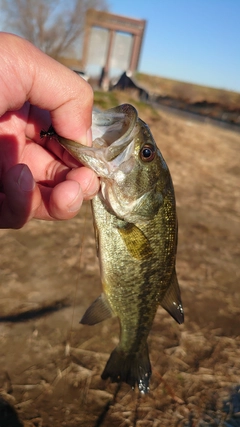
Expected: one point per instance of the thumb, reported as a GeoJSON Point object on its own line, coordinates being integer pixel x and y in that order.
{"type": "Point", "coordinates": [16, 200]}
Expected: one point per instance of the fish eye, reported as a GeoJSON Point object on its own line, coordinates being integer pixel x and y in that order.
{"type": "Point", "coordinates": [147, 153]}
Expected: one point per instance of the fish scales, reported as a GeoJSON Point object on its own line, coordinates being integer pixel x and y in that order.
{"type": "Point", "coordinates": [134, 301]}
{"type": "Point", "coordinates": [135, 224]}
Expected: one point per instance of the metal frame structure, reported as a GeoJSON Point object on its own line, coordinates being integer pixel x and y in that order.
{"type": "Point", "coordinates": [114, 23]}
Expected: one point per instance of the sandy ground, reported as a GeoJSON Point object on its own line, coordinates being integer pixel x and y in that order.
{"type": "Point", "coordinates": [50, 365]}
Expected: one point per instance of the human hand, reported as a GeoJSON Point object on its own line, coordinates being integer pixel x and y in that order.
{"type": "Point", "coordinates": [38, 178]}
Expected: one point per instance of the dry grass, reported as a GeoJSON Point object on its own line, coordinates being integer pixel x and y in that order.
{"type": "Point", "coordinates": [187, 91]}
{"type": "Point", "coordinates": [51, 365]}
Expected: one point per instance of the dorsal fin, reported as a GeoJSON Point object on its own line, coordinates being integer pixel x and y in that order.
{"type": "Point", "coordinates": [172, 300]}
{"type": "Point", "coordinates": [98, 311]}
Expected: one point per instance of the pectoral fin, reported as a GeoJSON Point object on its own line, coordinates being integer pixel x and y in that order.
{"type": "Point", "coordinates": [135, 240]}
{"type": "Point", "coordinates": [172, 300]}
{"type": "Point", "coordinates": [98, 311]}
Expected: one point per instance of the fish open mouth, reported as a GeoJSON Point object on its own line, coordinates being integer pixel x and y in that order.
{"type": "Point", "coordinates": [113, 129]}
{"type": "Point", "coordinates": [112, 133]}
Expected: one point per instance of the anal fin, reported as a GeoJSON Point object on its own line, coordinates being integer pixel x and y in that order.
{"type": "Point", "coordinates": [98, 311]}
{"type": "Point", "coordinates": [172, 302]}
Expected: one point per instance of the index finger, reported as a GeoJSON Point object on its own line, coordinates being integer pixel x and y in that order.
{"type": "Point", "coordinates": [27, 74]}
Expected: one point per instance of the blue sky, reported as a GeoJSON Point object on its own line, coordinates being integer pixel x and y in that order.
{"type": "Point", "coordinates": [190, 40]}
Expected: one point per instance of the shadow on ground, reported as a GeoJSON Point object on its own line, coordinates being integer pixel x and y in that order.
{"type": "Point", "coordinates": [50, 365]}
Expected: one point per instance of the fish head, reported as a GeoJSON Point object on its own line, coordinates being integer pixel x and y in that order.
{"type": "Point", "coordinates": [125, 156]}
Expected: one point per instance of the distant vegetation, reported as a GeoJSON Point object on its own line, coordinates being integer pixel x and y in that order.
{"type": "Point", "coordinates": [187, 92]}
{"type": "Point", "coordinates": [56, 27]}
{"type": "Point", "coordinates": [106, 100]}
{"type": "Point", "coordinates": [217, 104]}
{"type": "Point", "coordinates": [221, 105]}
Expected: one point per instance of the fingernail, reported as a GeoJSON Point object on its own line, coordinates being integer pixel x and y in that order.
{"type": "Point", "coordinates": [89, 137]}
{"type": "Point", "coordinates": [25, 180]}
{"type": "Point", "coordinates": [86, 139]}
{"type": "Point", "coordinates": [92, 189]}
{"type": "Point", "coordinates": [76, 204]}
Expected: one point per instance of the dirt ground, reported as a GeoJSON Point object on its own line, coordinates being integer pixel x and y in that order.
{"type": "Point", "coordinates": [50, 365]}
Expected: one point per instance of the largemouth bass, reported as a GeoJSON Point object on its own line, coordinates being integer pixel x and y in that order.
{"type": "Point", "coordinates": [136, 236]}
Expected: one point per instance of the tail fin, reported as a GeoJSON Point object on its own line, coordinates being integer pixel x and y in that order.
{"type": "Point", "coordinates": [129, 368]}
